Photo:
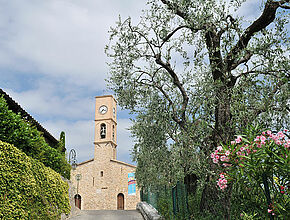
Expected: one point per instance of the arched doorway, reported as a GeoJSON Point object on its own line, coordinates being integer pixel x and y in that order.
{"type": "Point", "coordinates": [78, 201]}
{"type": "Point", "coordinates": [120, 201]}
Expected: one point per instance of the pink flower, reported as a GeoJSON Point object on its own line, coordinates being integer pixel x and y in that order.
{"type": "Point", "coordinates": [222, 183]}
{"type": "Point", "coordinates": [269, 132]}
{"type": "Point", "coordinates": [263, 139]}
{"type": "Point", "coordinates": [280, 134]}
{"type": "Point", "coordinates": [270, 210]}
{"type": "Point", "coordinates": [227, 153]}
{"type": "Point", "coordinates": [239, 153]}
{"type": "Point", "coordinates": [238, 139]}
{"type": "Point", "coordinates": [212, 155]}
{"type": "Point", "coordinates": [223, 158]}
{"type": "Point", "coordinates": [257, 138]}
{"type": "Point", "coordinates": [226, 165]}
{"type": "Point", "coordinates": [242, 149]}
{"type": "Point", "coordinates": [217, 157]}
{"type": "Point", "coordinates": [274, 137]}
{"type": "Point", "coordinates": [215, 160]}
{"type": "Point", "coordinates": [233, 142]}
{"type": "Point", "coordinates": [219, 148]}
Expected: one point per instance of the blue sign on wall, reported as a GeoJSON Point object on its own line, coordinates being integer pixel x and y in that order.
{"type": "Point", "coordinates": [131, 184]}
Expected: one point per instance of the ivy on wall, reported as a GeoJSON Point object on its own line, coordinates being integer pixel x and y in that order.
{"type": "Point", "coordinates": [28, 189]}
{"type": "Point", "coordinates": [24, 136]}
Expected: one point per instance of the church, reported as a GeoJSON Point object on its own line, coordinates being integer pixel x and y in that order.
{"type": "Point", "coordinates": [105, 182]}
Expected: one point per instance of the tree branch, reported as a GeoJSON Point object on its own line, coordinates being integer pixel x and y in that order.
{"type": "Point", "coordinates": [244, 59]}
{"type": "Point", "coordinates": [284, 6]}
{"type": "Point", "coordinates": [266, 18]}
{"type": "Point", "coordinates": [172, 33]}
{"type": "Point", "coordinates": [270, 97]}
{"type": "Point", "coordinates": [174, 115]}
{"type": "Point", "coordinates": [142, 35]}
{"type": "Point", "coordinates": [176, 10]}
{"type": "Point", "coordinates": [177, 83]}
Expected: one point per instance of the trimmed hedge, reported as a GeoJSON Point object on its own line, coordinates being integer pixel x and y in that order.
{"type": "Point", "coordinates": [28, 189]}
{"type": "Point", "coordinates": [16, 131]}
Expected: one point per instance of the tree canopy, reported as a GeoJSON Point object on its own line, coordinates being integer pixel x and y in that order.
{"type": "Point", "coordinates": [196, 73]}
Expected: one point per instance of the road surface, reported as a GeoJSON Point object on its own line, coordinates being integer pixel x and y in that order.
{"type": "Point", "coordinates": [108, 215]}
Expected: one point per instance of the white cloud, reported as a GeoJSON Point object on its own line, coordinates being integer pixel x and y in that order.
{"type": "Point", "coordinates": [60, 38]}
{"type": "Point", "coordinates": [46, 102]}
{"type": "Point", "coordinates": [79, 136]}
{"type": "Point", "coordinates": [124, 140]}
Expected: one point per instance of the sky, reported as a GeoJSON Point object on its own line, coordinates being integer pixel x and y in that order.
{"type": "Point", "coordinates": [52, 62]}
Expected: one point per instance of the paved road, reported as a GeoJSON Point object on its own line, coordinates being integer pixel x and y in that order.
{"type": "Point", "coordinates": [108, 215]}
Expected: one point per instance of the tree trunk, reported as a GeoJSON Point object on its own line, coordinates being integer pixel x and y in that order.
{"type": "Point", "coordinates": [212, 198]}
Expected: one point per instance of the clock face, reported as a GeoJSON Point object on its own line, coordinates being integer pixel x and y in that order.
{"type": "Point", "coordinates": [103, 109]}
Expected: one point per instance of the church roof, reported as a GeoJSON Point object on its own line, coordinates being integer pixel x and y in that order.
{"type": "Point", "coordinates": [112, 160]}
{"type": "Point", "coordinates": [16, 108]}
{"type": "Point", "coordinates": [87, 161]}
{"type": "Point", "coordinates": [120, 162]}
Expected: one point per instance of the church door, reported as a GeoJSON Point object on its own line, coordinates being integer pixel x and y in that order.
{"type": "Point", "coordinates": [120, 201]}
{"type": "Point", "coordinates": [78, 200]}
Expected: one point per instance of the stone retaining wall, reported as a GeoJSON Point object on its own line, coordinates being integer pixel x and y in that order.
{"type": "Point", "coordinates": [148, 211]}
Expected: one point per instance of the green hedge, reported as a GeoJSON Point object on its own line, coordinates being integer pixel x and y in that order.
{"type": "Point", "coordinates": [28, 189]}
{"type": "Point", "coordinates": [16, 131]}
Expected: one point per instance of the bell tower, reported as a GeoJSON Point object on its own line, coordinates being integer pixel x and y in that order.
{"type": "Point", "coordinates": [105, 128]}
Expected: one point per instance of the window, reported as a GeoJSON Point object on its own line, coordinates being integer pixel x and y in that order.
{"type": "Point", "coordinates": [103, 131]}
{"type": "Point", "coordinates": [113, 132]}
{"type": "Point", "coordinates": [102, 173]}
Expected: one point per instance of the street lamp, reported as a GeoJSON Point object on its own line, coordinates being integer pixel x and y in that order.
{"type": "Point", "coordinates": [74, 165]}
{"type": "Point", "coordinates": [72, 159]}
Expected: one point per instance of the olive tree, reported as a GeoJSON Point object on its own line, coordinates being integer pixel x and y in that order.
{"type": "Point", "coordinates": [195, 73]}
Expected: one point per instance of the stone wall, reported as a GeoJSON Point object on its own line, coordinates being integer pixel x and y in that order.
{"type": "Point", "coordinates": [71, 193]}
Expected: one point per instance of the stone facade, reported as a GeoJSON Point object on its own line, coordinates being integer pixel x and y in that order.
{"type": "Point", "coordinates": [104, 180]}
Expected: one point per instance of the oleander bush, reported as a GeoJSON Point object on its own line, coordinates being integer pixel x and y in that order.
{"type": "Point", "coordinates": [29, 189]}
{"type": "Point", "coordinates": [15, 130]}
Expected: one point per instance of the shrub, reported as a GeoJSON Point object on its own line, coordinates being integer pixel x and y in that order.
{"type": "Point", "coordinates": [259, 170]}
{"type": "Point", "coordinates": [28, 189]}
{"type": "Point", "coordinates": [16, 131]}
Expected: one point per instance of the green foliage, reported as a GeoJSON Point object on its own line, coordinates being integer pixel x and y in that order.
{"type": "Point", "coordinates": [61, 143]}
{"type": "Point", "coordinates": [186, 69]}
{"type": "Point", "coordinates": [16, 131]}
{"type": "Point", "coordinates": [28, 189]}
{"type": "Point", "coordinates": [195, 73]}
{"type": "Point", "coordinates": [259, 172]}
{"type": "Point", "coordinates": [171, 202]}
